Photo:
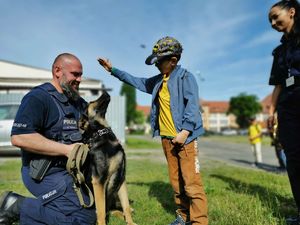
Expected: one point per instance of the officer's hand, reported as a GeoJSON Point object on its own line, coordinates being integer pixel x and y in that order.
{"type": "Point", "coordinates": [271, 121]}
{"type": "Point", "coordinates": [181, 137]}
{"type": "Point", "coordinates": [105, 63]}
{"type": "Point", "coordinates": [70, 148]}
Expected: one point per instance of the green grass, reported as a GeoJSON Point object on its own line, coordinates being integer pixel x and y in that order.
{"type": "Point", "coordinates": [236, 196]}
{"type": "Point", "coordinates": [139, 143]}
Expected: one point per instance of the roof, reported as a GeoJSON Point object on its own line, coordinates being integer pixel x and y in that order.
{"type": "Point", "coordinates": [266, 103]}
{"type": "Point", "coordinates": [216, 106]}
{"type": "Point", "coordinates": [145, 109]}
{"type": "Point", "coordinates": [18, 76]}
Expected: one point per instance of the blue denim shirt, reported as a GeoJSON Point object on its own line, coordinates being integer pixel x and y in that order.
{"type": "Point", "coordinates": [184, 100]}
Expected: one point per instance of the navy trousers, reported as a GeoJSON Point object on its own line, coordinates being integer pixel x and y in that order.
{"type": "Point", "coordinates": [289, 135]}
{"type": "Point", "coordinates": [56, 203]}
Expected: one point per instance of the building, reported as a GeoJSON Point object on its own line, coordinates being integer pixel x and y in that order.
{"type": "Point", "coordinates": [214, 115]}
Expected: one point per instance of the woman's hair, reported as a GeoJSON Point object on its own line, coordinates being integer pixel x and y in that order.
{"type": "Point", "coordinates": [288, 4]}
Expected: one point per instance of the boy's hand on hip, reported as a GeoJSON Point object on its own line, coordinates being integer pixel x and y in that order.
{"type": "Point", "coordinates": [181, 137]}
{"type": "Point", "coordinates": [105, 63]}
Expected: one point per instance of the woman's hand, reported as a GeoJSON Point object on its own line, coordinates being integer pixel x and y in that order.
{"type": "Point", "coordinates": [105, 63]}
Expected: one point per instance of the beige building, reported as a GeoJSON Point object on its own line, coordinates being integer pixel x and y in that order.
{"type": "Point", "coordinates": [215, 116]}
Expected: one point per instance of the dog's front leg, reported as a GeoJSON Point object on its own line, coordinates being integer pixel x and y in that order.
{"type": "Point", "coordinates": [123, 196]}
{"type": "Point", "coordinates": [99, 192]}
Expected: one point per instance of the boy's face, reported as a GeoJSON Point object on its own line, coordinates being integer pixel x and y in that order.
{"type": "Point", "coordinates": [166, 65]}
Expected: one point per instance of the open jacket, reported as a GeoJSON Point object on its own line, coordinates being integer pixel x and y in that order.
{"type": "Point", "coordinates": [184, 100]}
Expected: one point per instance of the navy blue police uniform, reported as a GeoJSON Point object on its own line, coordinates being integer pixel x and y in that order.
{"type": "Point", "coordinates": [286, 72]}
{"type": "Point", "coordinates": [45, 111]}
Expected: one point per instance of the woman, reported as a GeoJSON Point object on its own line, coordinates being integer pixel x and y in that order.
{"type": "Point", "coordinates": [285, 76]}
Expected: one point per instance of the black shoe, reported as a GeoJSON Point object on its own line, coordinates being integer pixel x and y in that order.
{"type": "Point", "coordinates": [295, 220]}
{"type": "Point", "coordinates": [10, 207]}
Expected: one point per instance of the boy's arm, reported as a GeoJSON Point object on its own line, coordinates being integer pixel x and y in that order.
{"type": "Point", "coordinates": [143, 84]}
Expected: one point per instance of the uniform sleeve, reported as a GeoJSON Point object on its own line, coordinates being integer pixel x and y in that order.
{"type": "Point", "coordinates": [277, 75]}
{"type": "Point", "coordinates": [31, 115]}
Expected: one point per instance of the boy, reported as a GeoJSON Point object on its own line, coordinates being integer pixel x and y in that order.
{"type": "Point", "coordinates": [175, 116]}
{"type": "Point", "coordinates": [255, 134]}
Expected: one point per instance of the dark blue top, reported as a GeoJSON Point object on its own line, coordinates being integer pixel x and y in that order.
{"type": "Point", "coordinates": [37, 113]}
{"type": "Point", "coordinates": [286, 57]}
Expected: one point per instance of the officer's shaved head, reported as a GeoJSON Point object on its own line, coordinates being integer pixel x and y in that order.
{"type": "Point", "coordinates": [63, 58]}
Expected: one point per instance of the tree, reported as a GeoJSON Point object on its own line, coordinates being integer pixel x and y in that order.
{"type": "Point", "coordinates": [244, 107]}
{"type": "Point", "coordinates": [130, 94]}
{"type": "Point", "coordinates": [139, 117]}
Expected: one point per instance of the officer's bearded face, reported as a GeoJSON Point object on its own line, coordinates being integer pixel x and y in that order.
{"type": "Point", "coordinates": [70, 88]}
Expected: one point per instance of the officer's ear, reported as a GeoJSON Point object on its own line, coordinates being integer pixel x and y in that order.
{"type": "Point", "coordinates": [57, 71]}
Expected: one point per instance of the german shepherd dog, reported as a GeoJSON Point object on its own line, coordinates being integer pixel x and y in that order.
{"type": "Point", "coordinates": [107, 160]}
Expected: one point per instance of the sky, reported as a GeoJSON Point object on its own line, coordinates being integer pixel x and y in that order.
{"type": "Point", "coordinates": [227, 43]}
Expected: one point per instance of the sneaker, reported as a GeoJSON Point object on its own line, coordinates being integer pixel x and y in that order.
{"type": "Point", "coordinates": [179, 221]}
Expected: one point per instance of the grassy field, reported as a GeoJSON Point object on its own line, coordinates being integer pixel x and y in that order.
{"type": "Point", "coordinates": [236, 196]}
{"type": "Point", "coordinates": [140, 143]}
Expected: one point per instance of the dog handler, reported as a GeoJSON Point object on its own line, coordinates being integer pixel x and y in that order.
{"type": "Point", "coordinates": [175, 116]}
{"type": "Point", "coordinates": [45, 128]}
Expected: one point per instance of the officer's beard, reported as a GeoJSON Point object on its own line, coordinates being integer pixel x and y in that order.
{"type": "Point", "coordinates": [69, 90]}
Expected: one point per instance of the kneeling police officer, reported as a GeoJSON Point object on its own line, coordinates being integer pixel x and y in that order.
{"type": "Point", "coordinates": [46, 130]}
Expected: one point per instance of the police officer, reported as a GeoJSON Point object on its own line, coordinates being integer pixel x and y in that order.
{"type": "Point", "coordinates": [285, 75]}
{"type": "Point", "coordinates": [45, 128]}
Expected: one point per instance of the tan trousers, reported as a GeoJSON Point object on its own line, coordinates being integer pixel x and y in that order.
{"type": "Point", "coordinates": [186, 181]}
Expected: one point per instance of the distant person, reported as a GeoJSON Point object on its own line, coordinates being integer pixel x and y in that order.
{"type": "Point", "coordinates": [285, 76]}
{"type": "Point", "coordinates": [176, 118]}
{"type": "Point", "coordinates": [255, 134]}
{"type": "Point", "coordinates": [273, 132]}
{"type": "Point", "coordinates": [45, 128]}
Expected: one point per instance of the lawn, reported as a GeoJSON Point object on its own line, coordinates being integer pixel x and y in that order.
{"type": "Point", "coordinates": [236, 196]}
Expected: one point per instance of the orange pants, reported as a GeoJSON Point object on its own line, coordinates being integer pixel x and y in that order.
{"type": "Point", "coordinates": [186, 181]}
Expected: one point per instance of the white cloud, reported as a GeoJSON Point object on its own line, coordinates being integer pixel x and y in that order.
{"type": "Point", "coordinates": [264, 38]}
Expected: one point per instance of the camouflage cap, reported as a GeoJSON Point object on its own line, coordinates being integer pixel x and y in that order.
{"type": "Point", "coordinates": [165, 46]}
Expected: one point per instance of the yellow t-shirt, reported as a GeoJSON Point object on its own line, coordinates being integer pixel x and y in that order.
{"type": "Point", "coordinates": [165, 120]}
{"type": "Point", "coordinates": [255, 130]}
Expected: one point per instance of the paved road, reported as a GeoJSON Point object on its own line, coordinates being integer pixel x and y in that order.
{"type": "Point", "coordinates": [237, 154]}
{"type": "Point", "coordinates": [231, 153]}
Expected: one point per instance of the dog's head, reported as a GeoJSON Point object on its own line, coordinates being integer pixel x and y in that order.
{"type": "Point", "coordinates": [95, 112]}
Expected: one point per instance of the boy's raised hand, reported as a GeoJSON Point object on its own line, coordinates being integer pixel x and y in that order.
{"type": "Point", "coordinates": [105, 63]}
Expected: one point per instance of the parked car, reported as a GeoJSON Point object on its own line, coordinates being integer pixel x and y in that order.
{"type": "Point", "coordinates": [243, 132]}
{"type": "Point", "coordinates": [228, 132]}
{"type": "Point", "coordinates": [8, 112]}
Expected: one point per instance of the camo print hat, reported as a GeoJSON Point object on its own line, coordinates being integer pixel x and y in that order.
{"type": "Point", "coordinates": [164, 47]}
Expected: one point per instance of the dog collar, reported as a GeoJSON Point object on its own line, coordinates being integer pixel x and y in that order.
{"type": "Point", "coordinates": [103, 131]}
